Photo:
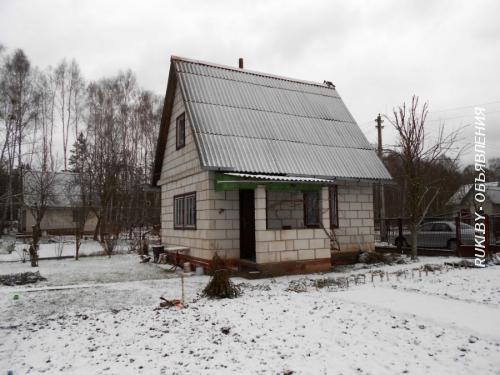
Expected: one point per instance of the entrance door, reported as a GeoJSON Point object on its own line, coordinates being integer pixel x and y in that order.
{"type": "Point", "coordinates": [247, 224]}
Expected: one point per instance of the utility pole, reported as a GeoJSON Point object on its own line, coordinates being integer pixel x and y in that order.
{"type": "Point", "coordinates": [379, 127]}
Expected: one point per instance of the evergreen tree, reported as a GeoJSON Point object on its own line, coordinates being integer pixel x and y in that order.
{"type": "Point", "coordinates": [78, 154]}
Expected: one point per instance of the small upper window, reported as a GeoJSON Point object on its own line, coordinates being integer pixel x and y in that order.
{"type": "Point", "coordinates": [180, 138]}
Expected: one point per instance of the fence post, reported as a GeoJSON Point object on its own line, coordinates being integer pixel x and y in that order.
{"type": "Point", "coordinates": [486, 236]}
{"type": "Point", "coordinates": [458, 235]}
{"type": "Point", "coordinates": [387, 228]}
{"type": "Point", "coordinates": [400, 234]}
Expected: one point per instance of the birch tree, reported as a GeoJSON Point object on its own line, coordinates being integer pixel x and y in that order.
{"type": "Point", "coordinates": [69, 98]}
{"type": "Point", "coordinates": [16, 92]}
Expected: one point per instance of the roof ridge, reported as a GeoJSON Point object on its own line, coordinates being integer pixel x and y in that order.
{"type": "Point", "coordinates": [251, 72]}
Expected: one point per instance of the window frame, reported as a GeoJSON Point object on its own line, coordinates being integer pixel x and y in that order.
{"type": "Point", "coordinates": [435, 227]}
{"type": "Point", "coordinates": [333, 196]}
{"type": "Point", "coordinates": [183, 198]}
{"type": "Point", "coordinates": [306, 216]}
{"type": "Point", "coordinates": [180, 119]}
{"type": "Point", "coordinates": [423, 226]}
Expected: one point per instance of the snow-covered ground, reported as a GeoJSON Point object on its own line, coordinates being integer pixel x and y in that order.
{"type": "Point", "coordinates": [58, 247]}
{"type": "Point", "coordinates": [442, 323]}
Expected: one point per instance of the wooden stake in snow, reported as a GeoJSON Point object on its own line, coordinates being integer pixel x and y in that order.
{"type": "Point", "coordinates": [182, 286]}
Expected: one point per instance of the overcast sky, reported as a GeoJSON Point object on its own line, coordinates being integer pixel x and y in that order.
{"type": "Point", "coordinates": [377, 53]}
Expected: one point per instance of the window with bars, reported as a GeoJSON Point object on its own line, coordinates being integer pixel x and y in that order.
{"type": "Point", "coordinates": [311, 209]}
{"type": "Point", "coordinates": [180, 133]}
{"type": "Point", "coordinates": [185, 211]}
{"type": "Point", "coordinates": [334, 207]}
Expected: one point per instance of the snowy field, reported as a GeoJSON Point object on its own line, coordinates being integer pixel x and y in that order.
{"type": "Point", "coordinates": [108, 322]}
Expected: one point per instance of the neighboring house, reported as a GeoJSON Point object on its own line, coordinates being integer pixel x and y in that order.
{"type": "Point", "coordinates": [63, 208]}
{"type": "Point", "coordinates": [260, 168]}
{"type": "Point", "coordinates": [463, 199]}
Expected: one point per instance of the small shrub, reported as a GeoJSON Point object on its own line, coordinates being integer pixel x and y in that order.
{"type": "Point", "coordinates": [298, 286]}
{"type": "Point", "coordinates": [372, 257]}
{"type": "Point", "coordinates": [59, 247]}
{"type": "Point", "coordinates": [21, 278]}
{"type": "Point", "coordinates": [432, 267]}
{"type": "Point", "coordinates": [110, 244]}
{"type": "Point", "coordinates": [220, 285]}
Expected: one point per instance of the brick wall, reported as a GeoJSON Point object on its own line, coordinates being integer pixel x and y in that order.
{"type": "Point", "coordinates": [356, 227]}
{"type": "Point", "coordinates": [289, 244]}
{"type": "Point", "coordinates": [285, 208]}
{"type": "Point", "coordinates": [217, 221]}
{"type": "Point", "coordinates": [355, 232]}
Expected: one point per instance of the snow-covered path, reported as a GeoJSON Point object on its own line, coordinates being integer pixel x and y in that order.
{"type": "Point", "coordinates": [461, 315]}
{"type": "Point", "coordinates": [441, 324]}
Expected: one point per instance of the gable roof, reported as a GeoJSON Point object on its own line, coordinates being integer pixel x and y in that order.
{"type": "Point", "coordinates": [492, 192]}
{"type": "Point", "coordinates": [62, 188]}
{"type": "Point", "coordinates": [251, 122]}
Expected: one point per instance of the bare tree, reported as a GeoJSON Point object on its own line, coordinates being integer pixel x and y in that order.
{"type": "Point", "coordinates": [69, 97]}
{"type": "Point", "coordinates": [121, 121]}
{"type": "Point", "coordinates": [16, 97]}
{"type": "Point", "coordinates": [417, 153]}
{"type": "Point", "coordinates": [118, 120]}
{"type": "Point", "coordinates": [40, 184]}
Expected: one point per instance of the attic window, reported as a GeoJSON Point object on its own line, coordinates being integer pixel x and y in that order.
{"type": "Point", "coordinates": [180, 132]}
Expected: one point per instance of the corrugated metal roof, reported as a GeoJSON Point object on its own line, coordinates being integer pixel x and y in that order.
{"type": "Point", "coordinates": [252, 122]}
{"type": "Point", "coordinates": [62, 188]}
{"type": "Point", "coordinates": [492, 192]}
{"type": "Point", "coordinates": [267, 177]}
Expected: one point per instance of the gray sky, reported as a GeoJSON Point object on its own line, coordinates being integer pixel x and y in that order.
{"type": "Point", "coordinates": [377, 53]}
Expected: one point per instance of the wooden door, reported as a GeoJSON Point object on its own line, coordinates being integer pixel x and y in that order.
{"type": "Point", "coordinates": [247, 224]}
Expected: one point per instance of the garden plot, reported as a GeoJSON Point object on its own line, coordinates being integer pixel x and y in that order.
{"type": "Point", "coordinates": [384, 327]}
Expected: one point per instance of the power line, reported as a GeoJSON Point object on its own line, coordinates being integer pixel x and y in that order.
{"type": "Point", "coordinates": [464, 107]}
{"type": "Point", "coordinates": [366, 124]}
{"type": "Point", "coordinates": [461, 116]}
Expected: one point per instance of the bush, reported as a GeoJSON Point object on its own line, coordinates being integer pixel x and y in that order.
{"type": "Point", "coordinates": [220, 285]}
{"type": "Point", "coordinates": [372, 257]}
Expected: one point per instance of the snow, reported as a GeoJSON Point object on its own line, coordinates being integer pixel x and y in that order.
{"type": "Point", "coordinates": [93, 270]}
{"type": "Point", "coordinates": [442, 323]}
{"type": "Point", "coordinates": [50, 250]}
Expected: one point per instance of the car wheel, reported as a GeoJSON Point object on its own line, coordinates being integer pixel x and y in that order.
{"type": "Point", "coordinates": [452, 245]}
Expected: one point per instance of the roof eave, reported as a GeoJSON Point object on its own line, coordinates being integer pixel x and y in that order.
{"type": "Point", "coordinates": [164, 123]}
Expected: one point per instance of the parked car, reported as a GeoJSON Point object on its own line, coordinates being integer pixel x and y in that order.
{"type": "Point", "coordinates": [439, 234]}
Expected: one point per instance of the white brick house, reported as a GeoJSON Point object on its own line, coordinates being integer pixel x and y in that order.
{"type": "Point", "coordinates": [261, 169]}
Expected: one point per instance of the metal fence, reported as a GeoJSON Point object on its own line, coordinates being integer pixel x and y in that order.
{"type": "Point", "coordinates": [439, 235]}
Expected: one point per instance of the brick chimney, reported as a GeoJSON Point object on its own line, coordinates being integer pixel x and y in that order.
{"type": "Point", "coordinates": [240, 62]}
